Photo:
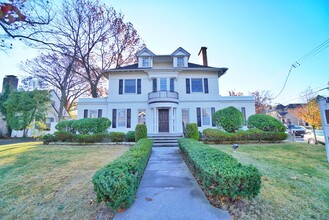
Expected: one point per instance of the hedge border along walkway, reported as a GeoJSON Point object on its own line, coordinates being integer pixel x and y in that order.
{"type": "Point", "coordinates": [220, 173]}
{"type": "Point", "coordinates": [116, 184]}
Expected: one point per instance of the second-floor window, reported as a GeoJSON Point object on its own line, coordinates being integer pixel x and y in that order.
{"type": "Point", "coordinates": [197, 85]}
{"type": "Point", "coordinates": [130, 86]}
{"type": "Point", "coordinates": [163, 84]}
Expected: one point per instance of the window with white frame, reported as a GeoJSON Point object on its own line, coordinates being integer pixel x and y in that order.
{"type": "Point", "coordinates": [141, 116]}
{"type": "Point", "coordinates": [146, 62]}
{"type": "Point", "coordinates": [163, 84]}
{"type": "Point", "coordinates": [243, 111]}
{"type": "Point", "coordinates": [185, 115]}
{"type": "Point", "coordinates": [130, 86]}
{"type": "Point", "coordinates": [197, 85]}
{"type": "Point", "coordinates": [93, 113]}
{"type": "Point", "coordinates": [121, 118]}
{"type": "Point", "coordinates": [180, 62]}
{"type": "Point", "coordinates": [206, 116]}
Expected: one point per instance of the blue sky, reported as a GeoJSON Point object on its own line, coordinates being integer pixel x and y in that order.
{"type": "Point", "coordinates": [257, 40]}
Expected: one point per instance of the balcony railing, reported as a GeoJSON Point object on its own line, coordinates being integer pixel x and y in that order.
{"type": "Point", "coordinates": [163, 96]}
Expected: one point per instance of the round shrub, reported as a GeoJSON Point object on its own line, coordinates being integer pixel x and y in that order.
{"type": "Point", "coordinates": [65, 126]}
{"type": "Point", "coordinates": [265, 123]}
{"type": "Point", "coordinates": [140, 132]}
{"type": "Point", "coordinates": [230, 119]}
{"type": "Point", "coordinates": [91, 125]}
{"type": "Point", "coordinates": [49, 138]}
{"type": "Point", "coordinates": [130, 136]}
{"type": "Point", "coordinates": [192, 131]}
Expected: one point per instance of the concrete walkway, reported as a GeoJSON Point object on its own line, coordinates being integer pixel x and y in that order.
{"type": "Point", "coordinates": [168, 190]}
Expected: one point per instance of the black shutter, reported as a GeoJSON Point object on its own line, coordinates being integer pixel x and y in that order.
{"type": "Point", "coordinates": [198, 115]}
{"type": "Point", "coordinates": [120, 86]}
{"type": "Point", "coordinates": [85, 113]}
{"type": "Point", "coordinates": [154, 81]}
{"type": "Point", "coordinates": [139, 86]}
{"type": "Point", "coordinates": [128, 118]}
{"type": "Point", "coordinates": [212, 117]}
{"type": "Point", "coordinates": [188, 86]}
{"type": "Point", "coordinates": [114, 118]}
{"type": "Point", "coordinates": [205, 80]}
{"type": "Point", "coordinates": [172, 85]}
{"type": "Point", "coordinates": [100, 112]}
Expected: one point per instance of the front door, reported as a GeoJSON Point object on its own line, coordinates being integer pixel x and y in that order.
{"type": "Point", "coordinates": [163, 120]}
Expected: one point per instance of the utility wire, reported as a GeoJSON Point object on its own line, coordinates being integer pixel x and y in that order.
{"type": "Point", "coordinates": [302, 60]}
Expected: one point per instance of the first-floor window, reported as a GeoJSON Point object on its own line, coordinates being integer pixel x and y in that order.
{"type": "Point", "coordinates": [121, 117]}
{"type": "Point", "coordinates": [326, 113]}
{"type": "Point", "coordinates": [185, 115]}
{"type": "Point", "coordinates": [141, 116]}
{"type": "Point", "coordinates": [93, 113]}
{"type": "Point", "coordinates": [206, 116]}
{"type": "Point", "coordinates": [243, 111]}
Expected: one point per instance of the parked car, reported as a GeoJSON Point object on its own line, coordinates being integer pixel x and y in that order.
{"type": "Point", "coordinates": [296, 130]}
{"type": "Point", "coordinates": [309, 138]}
{"type": "Point", "coordinates": [308, 129]}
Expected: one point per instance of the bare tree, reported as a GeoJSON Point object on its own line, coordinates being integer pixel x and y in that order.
{"type": "Point", "coordinates": [234, 93]}
{"type": "Point", "coordinates": [23, 20]}
{"type": "Point", "coordinates": [262, 100]}
{"type": "Point", "coordinates": [58, 73]}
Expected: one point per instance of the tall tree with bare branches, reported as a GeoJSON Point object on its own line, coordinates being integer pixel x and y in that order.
{"type": "Point", "coordinates": [262, 100]}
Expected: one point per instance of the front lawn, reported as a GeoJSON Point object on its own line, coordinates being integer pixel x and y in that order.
{"type": "Point", "coordinates": [51, 182]}
{"type": "Point", "coordinates": [295, 181]}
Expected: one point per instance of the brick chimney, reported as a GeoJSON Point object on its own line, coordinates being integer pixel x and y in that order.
{"type": "Point", "coordinates": [11, 81]}
{"type": "Point", "coordinates": [203, 56]}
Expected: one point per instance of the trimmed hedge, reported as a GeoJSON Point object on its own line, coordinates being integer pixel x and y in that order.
{"type": "Point", "coordinates": [117, 136]}
{"type": "Point", "coordinates": [90, 138]}
{"type": "Point", "coordinates": [265, 123]}
{"type": "Point", "coordinates": [192, 131]}
{"type": "Point", "coordinates": [220, 173]}
{"type": "Point", "coordinates": [116, 184]}
{"type": "Point", "coordinates": [130, 136]}
{"type": "Point", "coordinates": [64, 136]}
{"type": "Point", "coordinates": [47, 138]}
{"type": "Point", "coordinates": [65, 126]}
{"type": "Point", "coordinates": [253, 135]}
{"type": "Point", "coordinates": [91, 125]}
{"type": "Point", "coordinates": [140, 132]}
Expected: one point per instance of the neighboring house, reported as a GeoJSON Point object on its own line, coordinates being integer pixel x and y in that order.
{"type": "Point", "coordinates": [163, 91]}
{"type": "Point", "coordinates": [286, 113]}
{"type": "Point", "coordinates": [51, 119]}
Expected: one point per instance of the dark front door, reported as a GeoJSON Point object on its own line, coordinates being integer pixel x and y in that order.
{"type": "Point", "coordinates": [163, 120]}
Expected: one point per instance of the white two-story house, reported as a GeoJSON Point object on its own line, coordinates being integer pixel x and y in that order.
{"type": "Point", "coordinates": [163, 92]}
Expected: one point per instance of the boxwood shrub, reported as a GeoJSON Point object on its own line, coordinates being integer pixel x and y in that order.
{"type": "Point", "coordinates": [220, 173]}
{"type": "Point", "coordinates": [230, 119]}
{"type": "Point", "coordinates": [130, 136]}
{"type": "Point", "coordinates": [64, 136]}
{"type": "Point", "coordinates": [47, 138]}
{"type": "Point", "coordinates": [252, 135]}
{"type": "Point", "coordinates": [192, 131]}
{"type": "Point", "coordinates": [265, 123]}
{"type": "Point", "coordinates": [90, 138]}
{"type": "Point", "coordinates": [116, 184]}
{"type": "Point", "coordinates": [140, 131]}
{"type": "Point", "coordinates": [65, 126]}
{"type": "Point", "coordinates": [91, 125]}
{"type": "Point", "coordinates": [117, 136]}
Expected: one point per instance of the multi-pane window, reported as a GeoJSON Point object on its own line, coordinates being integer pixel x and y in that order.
{"type": "Point", "coordinates": [146, 62]}
{"type": "Point", "coordinates": [93, 113]}
{"type": "Point", "coordinates": [141, 116]}
{"type": "Point", "coordinates": [185, 115]}
{"type": "Point", "coordinates": [121, 117]}
{"type": "Point", "coordinates": [163, 84]}
{"type": "Point", "coordinates": [130, 86]}
{"type": "Point", "coordinates": [197, 85]}
{"type": "Point", "coordinates": [180, 61]}
{"type": "Point", "coordinates": [243, 111]}
{"type": "Point", "coordinates": [206, 116]}
{"type": "Point", "coordinates": [172, 85]}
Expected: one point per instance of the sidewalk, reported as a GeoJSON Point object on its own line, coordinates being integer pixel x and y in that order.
{"type": "Point", "coordinates": [168, 190]}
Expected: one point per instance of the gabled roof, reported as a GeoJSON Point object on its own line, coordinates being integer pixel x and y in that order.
{"type": "Point", "coordinates": [180, 51]}
{"type": "Point", "coordinates": [145, 52]}
{"type": "Point", "coordinates": [293, 105]}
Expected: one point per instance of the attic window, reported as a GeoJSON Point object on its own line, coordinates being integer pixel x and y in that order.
{"type": "Point", "coordinates": [180, 62]}
{"type": "Point", "coordinates": [146, 62]}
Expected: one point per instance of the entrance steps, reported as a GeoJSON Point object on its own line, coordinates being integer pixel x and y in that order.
{"type": "Point", "coordinates": [165, 139]}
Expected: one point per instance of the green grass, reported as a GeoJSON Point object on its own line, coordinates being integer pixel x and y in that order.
{"type": "Point", "coordinates": [51, 182]}
{"type": "Point", "coordinates": [295, 181]}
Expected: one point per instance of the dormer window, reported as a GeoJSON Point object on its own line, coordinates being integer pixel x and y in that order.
{"type": "Point", "coordinates": [180, 62]}
{"type": "Point", "coordinates": [146, 62]}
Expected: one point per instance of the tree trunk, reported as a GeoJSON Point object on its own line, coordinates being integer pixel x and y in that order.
{"type": "Point", "coordinates": [316, 141]}
{"type": "Point", "coordinates": [94, 92]}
